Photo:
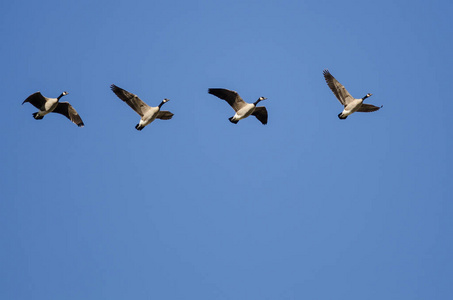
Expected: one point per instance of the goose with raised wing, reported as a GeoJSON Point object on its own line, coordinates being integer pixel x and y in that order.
{"type": "Point", "coordinates": [350, 104]}
{"type": "Point", "coordinates": [48, 105]}
{"type": "Point", "coordinates": [242, 108]}
{"type": "Point", "coordinates": [146, 112]}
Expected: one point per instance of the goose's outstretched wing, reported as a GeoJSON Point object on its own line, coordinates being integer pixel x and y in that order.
{"type": "Point", "coordinates": [232, 97]}
{"type": "Point", "coordinates": [261, 114]}
{"type": "Point", "coordinates": [36, 99]}
{"type": "Point", "coordinates": [69, 112]}
{"type": "Point", "coordinates": [132, 100]}
{"type": "Point", "coordinates": [368, 108]}
{"type": "Point", "coordinates": [338, 89]}
{"type": "Point", "coordinates": [164, 115]}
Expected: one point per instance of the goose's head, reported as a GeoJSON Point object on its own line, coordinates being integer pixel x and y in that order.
{"type": "Point", "coordinates": [163, 101]}
{"type": "Point", "coordinates": [62, 94]}
{"type": "Point", "coordinates": [259, 99]}
{"type": "Point", "coordinates": [367, 95]}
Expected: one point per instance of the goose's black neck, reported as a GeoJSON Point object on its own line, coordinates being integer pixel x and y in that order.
{"type": "Point", "coordinates": [62, 94]}
{"type": "Point", "coordinates": [162, 103]}
{"type": "Point", "coordinates": [366, 96]}
{"type": "Point", "coordinates": [256, 102]}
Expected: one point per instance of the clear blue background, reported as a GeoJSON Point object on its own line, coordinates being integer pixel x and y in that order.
{"type": "Point", "coordinates": [306, 207]}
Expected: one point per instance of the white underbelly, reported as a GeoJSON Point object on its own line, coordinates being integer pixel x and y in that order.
{"type": "Point", "coordinates": [42, 113]}
{"type": "Point", "coordinates": [243, 113]}
{"type": "Point", "coordinates": [351, 108]}
{"type": "Point", "coordinates": [346, 113]}
{"type": "Point", "coordinates": [148, 120]}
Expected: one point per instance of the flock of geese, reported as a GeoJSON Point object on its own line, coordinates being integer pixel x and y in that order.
{"type": "Point", "coordinates": [149, 113]}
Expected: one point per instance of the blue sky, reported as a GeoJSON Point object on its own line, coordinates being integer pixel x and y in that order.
{"type": "Point", "coordinates": [306, 207]}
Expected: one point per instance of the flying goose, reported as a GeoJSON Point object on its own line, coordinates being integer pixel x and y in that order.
{"type": "Point", "coordinates": [147, 113]}
{"type": "Point", "coordinates": [350, 104]}
{"type": "Point", "coordinates": [242, 108]}
{"type": "Point", "coordinates": [47, 105]}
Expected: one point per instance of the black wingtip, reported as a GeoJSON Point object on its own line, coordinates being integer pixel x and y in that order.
{"type": "Point", "coordinates": [114, 87]}
{"type": "Point", "coordinates": [214, 91]}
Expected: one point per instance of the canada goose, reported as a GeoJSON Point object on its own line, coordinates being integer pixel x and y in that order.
{"type": "Point", "coordinates": [351, 105]}
{"type": "Point", "coordinates": [47, 105]}
{"type": "Point", "coordinates": [242, 108]}
{"type": "Point", "coordinates": [147, 113]}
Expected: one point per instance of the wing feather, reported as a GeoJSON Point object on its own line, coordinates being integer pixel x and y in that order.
{"type": "Point", "coordinates": [338, 89]}
{"type": "Point", "coordinates": [69, 112]}
{"type": "Point", "coordinates": [232, 97]}
{"type": "Point", "coordinates": [261, 114]}
{"type": "Point", "coordinates": [164, 115]}
{"type": "Point", "coordinates": [368, 108]}
{"type": "Point", "coordinates": [36, 99]}
{"type": "Point", "coordinates": [132, 100]}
